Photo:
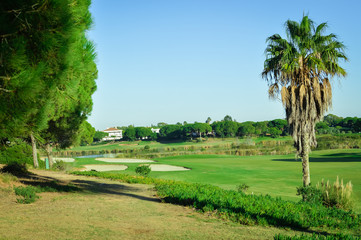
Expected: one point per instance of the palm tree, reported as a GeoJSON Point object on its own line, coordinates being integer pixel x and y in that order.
{"type": "Point", "coordinates": [300, 68]}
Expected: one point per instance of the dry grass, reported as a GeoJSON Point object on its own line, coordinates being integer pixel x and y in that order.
{"type": "Point", "coordinates": [112, 210]}
{"type": "Point", "coordinates": [336, 194]}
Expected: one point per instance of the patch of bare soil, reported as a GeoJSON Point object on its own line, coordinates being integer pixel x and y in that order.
{"type": "Point", "coordinates": [106, 209]}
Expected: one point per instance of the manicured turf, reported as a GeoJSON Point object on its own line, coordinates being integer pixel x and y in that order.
{"type": "Point", "coordinates": [273, 174]}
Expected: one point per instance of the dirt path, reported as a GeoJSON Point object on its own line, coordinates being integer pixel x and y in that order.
{"type": "Point", "coordinates": [108, 209]}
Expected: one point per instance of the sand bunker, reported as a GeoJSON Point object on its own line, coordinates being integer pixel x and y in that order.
{"type": "Point", "coordinates": [103, 168]}
{"type": "Point", "coordinates": [123, 160]}
{"type": "Point", "coordinates": [166, 168]}
{"type": "Point", "coordinates": [57, 159]}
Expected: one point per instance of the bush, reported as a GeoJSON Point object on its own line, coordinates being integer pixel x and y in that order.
{"type": "Point", "coordinates": [28, 193]}
{"type": "Point", "coordinates": [255, 209]}
{"type": "Point", "coordinates": [60, 166]}
{"type": "Point", "coordinates": [330, 195]}
{"type": "Point", "coordinates": [143, 170]}
{"type": "Point", "coordinates": [310, 194]}
{"type": "Point", "coordinates": [337, 194]}
{"type": "Point", "coordinates": [242, 187]}
{"type": "Point", "coordinates": [316, 237]}
{"type": "Point", "coordinates": [146, 147]}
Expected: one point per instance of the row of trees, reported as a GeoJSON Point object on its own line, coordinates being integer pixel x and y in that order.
{"type": "Point", "coordinates": [47, 73]}
{"type": "Point", "coordinates": [331, 124]}
{"type": "Point", "coordinates": [334, 124]}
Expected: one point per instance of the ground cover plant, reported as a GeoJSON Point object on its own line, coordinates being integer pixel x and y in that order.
{"type": "Point", "coordinates": [317, 237]}
{"type": "Point", "coordinates": [246, 209]}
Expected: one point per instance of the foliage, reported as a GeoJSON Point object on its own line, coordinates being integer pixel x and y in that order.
{"type": "Point", "coordinates": [19, 152]}
{"type": "Point", "coordinates": [310, 194]}
{"type": "Point", "coordinates": [300, 68]}
{"type": "Point", "coordinates": [143, 170]}
{"type": "Point", "coordinates": [98, 136]}
{"type": "Point", "coordinates": [60, 166]}
{"type": "Point", "coordinates": [242, 187]}
{"type": "Point", "coordinates": [86, 134]}
{"type": "Point", "coordinates": [252, 209]}
{"type": "Point", "coordinates": [143, 132]}
{"type": "Point", "coordinates": [27, 193]}
{"type": "Point", "coordinates": [129, 134]}
{"type": "Point", "coordinates": [337, 194]}
{"type": "Point", "coordinates": [315, 236]}
{"type": "Point", "coordinates": [242, 208]}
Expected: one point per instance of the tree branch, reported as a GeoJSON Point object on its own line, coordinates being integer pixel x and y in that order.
{"type": "Point", "coordinates": [6, 90]}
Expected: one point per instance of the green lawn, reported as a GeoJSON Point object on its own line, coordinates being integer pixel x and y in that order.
{"type": "Point", "coordinates": [272, 174]}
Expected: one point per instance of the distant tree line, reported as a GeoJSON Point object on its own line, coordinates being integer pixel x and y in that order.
{"type": "Point", "coordinates": [228, 127]}
{"type": "Point", "coordinates": [333, 124]}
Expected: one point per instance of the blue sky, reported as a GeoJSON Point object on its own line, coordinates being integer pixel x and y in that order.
{"type": "Point", "coordinates": [186, 60]}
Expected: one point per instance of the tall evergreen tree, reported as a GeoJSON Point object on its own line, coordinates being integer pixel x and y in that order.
{"type": "Point", "coordinates": [41, 46]}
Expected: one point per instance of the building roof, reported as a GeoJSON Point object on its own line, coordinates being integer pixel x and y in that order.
{"type": "Point", "coordinates": [111, 129]}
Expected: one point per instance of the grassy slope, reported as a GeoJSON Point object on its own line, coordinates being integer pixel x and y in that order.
{"type": "Point", "coordinates": [112, 210]}
{"type": "Point", "coordinates": [275, 175]}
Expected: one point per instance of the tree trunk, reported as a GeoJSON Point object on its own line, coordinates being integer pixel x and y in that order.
{"type": "Point", "coordinates": [35, 152]}
{"type": "Point", "coordinates": [305, 160]}
{"type": "Point", "coordinates": [49, 153]}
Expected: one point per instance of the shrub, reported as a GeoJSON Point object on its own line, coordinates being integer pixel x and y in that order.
{"type": "Point", "coordinates": [330, 195]}
{"type": "Point", "coordinates": [317, 237]}
{"type": "Point", "coordinates": [143, 170]}
{"type": "Point", "coordinates": [310, 194]}
{"type": "Point", "coordinates": [337, 194]}
{"type": "Point", "coordinates": [60, 166]}
{"type": "Point", "coordinates": [242, 187]}
{"type": "Point", "coordinates": [146, 147]}
{"type": "Point", "coordinates": [28, 194]}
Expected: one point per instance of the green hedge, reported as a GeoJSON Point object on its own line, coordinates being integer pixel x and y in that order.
{"type": "Point", "coordinates": [317, 237]}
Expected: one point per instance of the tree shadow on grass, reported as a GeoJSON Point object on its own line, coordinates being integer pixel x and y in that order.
{"type": "Point", "coordinates": [50, 184]}
{"type": "Point", "coordinates": [113, 189]}
{"type": "Point", "coordinates": [336, 157]}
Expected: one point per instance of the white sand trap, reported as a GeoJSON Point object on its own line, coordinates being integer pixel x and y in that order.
{"type": "Point", "coordinates": [103, 168]}
{"type": "Point", "coordinates": [57, 159]}
{"type": "Point", "coordinates": [166, 168]}
{"type": "Point", "coordinates": [123, 160]}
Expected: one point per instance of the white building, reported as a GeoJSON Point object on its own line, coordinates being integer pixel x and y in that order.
{"type": "Point", "coordinates": [113, 134]}
{"type": "Point", "coordinates": [155, 130]}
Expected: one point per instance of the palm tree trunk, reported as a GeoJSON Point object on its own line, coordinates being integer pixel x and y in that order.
{"type": "Point", "coordinates": [305, 160]}
{"type": "Point", "coordinates": [49, 152]}
{"type": "Point", "coordinates": [35, 152]}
